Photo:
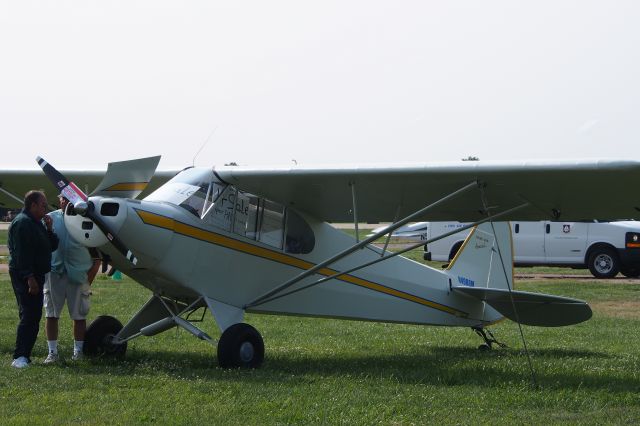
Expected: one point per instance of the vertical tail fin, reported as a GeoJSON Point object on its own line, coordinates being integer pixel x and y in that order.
{"type": "Point", "coordinates": [483, 268]}
{"type": "Point", "coordinates": [485, 259]}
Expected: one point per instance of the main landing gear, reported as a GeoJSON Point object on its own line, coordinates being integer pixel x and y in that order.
{"type": "Point", "coordinates": [240, 346]}
{"type": "Point", "coordinates": [99, 338]}
{"type": "Point", "coordinates": [488, 338]}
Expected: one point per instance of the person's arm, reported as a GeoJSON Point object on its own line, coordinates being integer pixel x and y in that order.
{"type": "Point", "coordinates": [23, 239]}
{"type": "Point", "coordinates": [53, 238]}
{"type": "Point", "coordinates": [93, 271]}
{"type": "Point", "coordinates": [23, 251]}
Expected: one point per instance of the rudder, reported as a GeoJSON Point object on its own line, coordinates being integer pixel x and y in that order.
{"type": "Point", "coordinates": [485, 259]}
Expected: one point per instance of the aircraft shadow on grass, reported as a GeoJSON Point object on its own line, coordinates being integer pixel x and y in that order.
{"type": "Point", "coordinates": [444, 366]}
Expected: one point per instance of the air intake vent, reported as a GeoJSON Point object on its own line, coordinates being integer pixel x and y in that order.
{"type": "Point", "coordinates": [109, 209]}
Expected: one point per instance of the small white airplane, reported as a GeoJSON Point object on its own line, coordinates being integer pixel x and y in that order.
{"type": "Point", "coordinates": [238, 240]}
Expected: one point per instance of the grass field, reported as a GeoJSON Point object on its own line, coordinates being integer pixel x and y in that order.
{"type": "Point", "coordinates": [331, 371]}
{"type": "Point", "coordinates": [3, 236]}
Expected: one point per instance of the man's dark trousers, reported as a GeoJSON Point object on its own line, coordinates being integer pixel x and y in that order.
{"type": "Point", "coordinates": [30, 313]}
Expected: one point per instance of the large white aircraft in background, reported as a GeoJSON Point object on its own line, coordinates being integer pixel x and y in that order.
{"type": "Point", "coordinates": [238, 240]}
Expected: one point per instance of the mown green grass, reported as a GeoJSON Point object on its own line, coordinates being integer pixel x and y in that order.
{"type": "Point", "coordinates": [3, 236]}
{"type": "Point", "coordinates": [333, 371]}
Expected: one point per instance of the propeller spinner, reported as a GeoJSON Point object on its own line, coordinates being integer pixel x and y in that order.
{"type": "Point", "coordinates": [83, 206]}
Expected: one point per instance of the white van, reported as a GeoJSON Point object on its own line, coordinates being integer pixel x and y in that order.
{"type": "Point", "coordinates": [605, 247]}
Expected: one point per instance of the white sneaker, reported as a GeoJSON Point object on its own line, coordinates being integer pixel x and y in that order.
{"type": "Point", "coordinates": [77, 356]}
{"type": "Point", "coordinates": [52, 358]}
{"type": "Point", "coordinates": [20, 362]}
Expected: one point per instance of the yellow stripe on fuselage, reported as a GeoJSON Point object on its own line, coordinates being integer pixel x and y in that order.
{"type": "Point", "coordinates": [127, 186]}
{"type": "Point", "coordinates": [265, 253]}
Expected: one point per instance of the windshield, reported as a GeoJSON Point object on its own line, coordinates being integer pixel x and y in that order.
{"type": "Point", "coordinates": [195, 190]}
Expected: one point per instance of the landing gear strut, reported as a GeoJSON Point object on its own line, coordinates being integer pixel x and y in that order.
{"type": "Point", "coordinates": [488, 337]}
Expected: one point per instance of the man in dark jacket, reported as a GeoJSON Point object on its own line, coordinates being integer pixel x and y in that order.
{"type": "Point", "coordinates": [30, 246]}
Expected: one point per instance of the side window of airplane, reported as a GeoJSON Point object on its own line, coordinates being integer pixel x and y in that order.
{"type": "Point", "coordinates": [299, 236]}
{"type": "Point", "coordinates": [242, 213]}
{"type": "Point", "coordinates": [245, 220]}
{"type": "Point", "coordinates": [220, 212]}
{"type": "Point", "coordinates": [271, 224]}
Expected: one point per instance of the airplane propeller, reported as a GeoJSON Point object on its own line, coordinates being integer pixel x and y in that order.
{"type": "Point", "coordinates": [83, 206]}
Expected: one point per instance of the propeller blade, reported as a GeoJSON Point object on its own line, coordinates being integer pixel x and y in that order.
{"type": "Point", "coordinates": [68, 189]}
{"type": "Point", "coordinates": [76, 197]}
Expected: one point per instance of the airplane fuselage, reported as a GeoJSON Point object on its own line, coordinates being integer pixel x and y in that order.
{"type": "Point", "coordinates": [182, 256]}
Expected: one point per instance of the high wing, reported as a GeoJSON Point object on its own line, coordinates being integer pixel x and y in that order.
{"type": "Point", "coordinates": [603, 189]}
{"type": "Point", "coordinates": [14, 184]}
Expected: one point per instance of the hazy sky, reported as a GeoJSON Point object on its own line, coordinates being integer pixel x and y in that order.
{"type": "Point", "coordinates": [83, 82]}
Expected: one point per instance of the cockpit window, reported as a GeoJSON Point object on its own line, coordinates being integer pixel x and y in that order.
{"type": "Point", "coordinates": [245, 220]}
{"type": "Point", "coordinates": [271, 223]}
{"type": "Point", "coordinates": [220, 211]}
{"type": "Point", "coordinates": [188, 189]}
{"type": "Point", "coordinates": [300, 238]}
{"type": "Point", "coordinates": [226, 207]}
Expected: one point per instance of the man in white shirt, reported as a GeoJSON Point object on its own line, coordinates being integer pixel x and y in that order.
{"type": "Point", "coordinates": [72, 272]}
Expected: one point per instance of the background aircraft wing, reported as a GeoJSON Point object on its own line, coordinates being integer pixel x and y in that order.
{"type": "Point", "coordinates": [15, 183]}
{"type": "Point", "coordinates": [569, 191]}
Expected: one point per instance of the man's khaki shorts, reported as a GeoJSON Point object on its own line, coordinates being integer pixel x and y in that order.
{"type": "Point", "coordinates": [57, 289]}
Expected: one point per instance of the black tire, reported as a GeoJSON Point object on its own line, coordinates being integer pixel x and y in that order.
{"type": "Point", "coordinates": [630, 271]}
{"type": "Point", "coordinates": [604, 263]}
{"type": "Point", "coordinates": [240, 346]}
{"type": "Point", "coordinates": [484, 347]}
{"type": "Point", "coordinates": [99, 335]}
{"type": "Point", "coordinates": [454, 250]}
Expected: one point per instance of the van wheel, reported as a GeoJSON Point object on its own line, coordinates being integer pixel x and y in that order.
{"type": "Point", "coordinates": [630, 271]}
{"type": "Point", "coordinates": [454, 250]}
{"type": "Point", "coordinates": [604, 263]}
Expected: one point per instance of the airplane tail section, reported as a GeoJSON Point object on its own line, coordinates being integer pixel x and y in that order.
{"type": "Point", "coordinates": [483, 268]}
{"type": "Point", "coordinates": [485, 258]}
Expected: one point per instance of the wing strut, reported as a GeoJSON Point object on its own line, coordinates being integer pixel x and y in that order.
{"type": "Point", "coordinates": [9, 194]}
{"type": "Point", "coordinates": [386, 243]}
{"type": "Point", "coordinates": [397, 253]}
{"type": "Point", "coordinates": [510, 288]}
{"type": "Point", "coordinates": [359, 245]}
{"type": "Point", "coordinates": [355, 210]}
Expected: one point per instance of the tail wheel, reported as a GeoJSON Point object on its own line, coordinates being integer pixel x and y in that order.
{"type": "Point", "coordinates": [240, 346]}
{"type": "Point", "coordinates": [98, 339]}
{"type": "Point", "coordinates": [603, 262]}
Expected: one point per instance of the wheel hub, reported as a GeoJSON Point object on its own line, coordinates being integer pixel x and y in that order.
{"type": "Point", "coordinates": [246, 352]}
{"type": "Point", "coordinates": [603, 263]}
{"type": "Point", "coordinates": [108, 344]}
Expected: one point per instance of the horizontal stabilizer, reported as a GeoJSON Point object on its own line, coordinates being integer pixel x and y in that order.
{"type": "Point", "coordinates": [538, 309]}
